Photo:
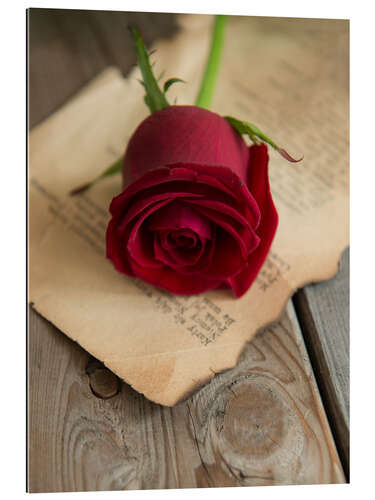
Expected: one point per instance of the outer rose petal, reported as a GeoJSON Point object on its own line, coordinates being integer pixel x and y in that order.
{"type": "Point", "coordinates": [169, 279]}
{"type": "Point", "coordinates": [114, 250]}
{"type": "Point", "coordinates": [185, 134]}
{"type": "Point", "coordinates": [258, 184]}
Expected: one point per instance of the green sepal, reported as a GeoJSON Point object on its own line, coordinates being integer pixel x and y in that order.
{"type": "Point", "coordinates": [115, 168]}
{"type": "Point", "coordinates": [170, 82]}
{"type": "Point", "coordinates": [254, 133]}
{"type": "Point", "coordinates": [155, 98]}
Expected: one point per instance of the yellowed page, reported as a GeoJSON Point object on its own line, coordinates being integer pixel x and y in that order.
{"type": "Point", "coordinates": [290, 77]}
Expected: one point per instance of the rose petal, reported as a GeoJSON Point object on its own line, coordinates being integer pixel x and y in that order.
{"type": "Point", "coordinates": [203, 259]}
{"type": "Point", "coordinates": [185, 134]}
{"type": "Point", "coordinates": [139, 243]}
{"type": "Point", "coordinates": [180, 216]}
{"type": "Point", "coordinates": [225, 182]}
{"type": "Point", "coordinates": [182, 284]}
{"type": "Point", "coordinates": [137, 207]}
{"type": "Point", "coordinates": [204, 175]}
{"type": "Point", "coordinates": [224, 209]}
{"type": "Point", "coordinates": [115, 251]}
{"type": "Point", "coordinates": [258, 184]}
{"type": "Point", "coordinates": [167, 242]}
{"type": "Point", "coordinates": [227, 259]}
{"type": "Point", "coordinates": [244, 236]}
{"type": "Point", "coordinates": [214, 182]}
{"type": "Point", "coordinates": [187, 256]}
{"type": "Point", "coordinates": [161, 254]}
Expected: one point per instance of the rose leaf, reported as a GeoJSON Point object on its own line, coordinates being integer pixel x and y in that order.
{"type": "Point", "coordinates": [254, 133]}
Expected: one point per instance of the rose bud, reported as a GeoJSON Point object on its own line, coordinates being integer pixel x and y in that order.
{"type": "Point", "coordinates": [198, 214]}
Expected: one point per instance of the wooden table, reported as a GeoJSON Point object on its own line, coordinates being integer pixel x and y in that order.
{"type": "Point", "coordinates": [280, 417]}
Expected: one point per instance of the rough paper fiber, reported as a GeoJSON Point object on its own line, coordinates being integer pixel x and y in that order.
{"type": "Point", "coordinates": [289, 77]}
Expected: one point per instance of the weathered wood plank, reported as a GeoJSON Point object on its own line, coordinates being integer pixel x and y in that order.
{"type": "Point", "coordinates": [261, 423]}
{"type": "Point", "coordinates": [67, 48]}
{"type": "Point", "coordinates": [323, 312]}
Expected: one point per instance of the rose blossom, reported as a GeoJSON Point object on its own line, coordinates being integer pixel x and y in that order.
{"type": "Point", "coordinates": [199, 213]}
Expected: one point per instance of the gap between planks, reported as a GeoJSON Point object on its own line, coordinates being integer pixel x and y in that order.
{"type": "Point", "coordinates": [323, 313]}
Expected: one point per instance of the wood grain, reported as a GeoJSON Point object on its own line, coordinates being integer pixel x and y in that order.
{"type": "Point", "coordinates": [323, 310]}
{"type": "Point", "coordinates": [261, 423]}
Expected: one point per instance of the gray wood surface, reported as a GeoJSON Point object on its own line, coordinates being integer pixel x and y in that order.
{"type": "Point", "coordinates": [323, 311]}
{"type": "Point", "coordinates": [67, 48]}
{"type": "Point", "coordinates": [261, 423]}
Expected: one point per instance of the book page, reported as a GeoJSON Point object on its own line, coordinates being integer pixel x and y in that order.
{"type": "Point", "coordinates": [290, 78]}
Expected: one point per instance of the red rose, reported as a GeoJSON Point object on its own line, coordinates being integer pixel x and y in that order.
{"type": "Point", "coordinates": [199, 214]}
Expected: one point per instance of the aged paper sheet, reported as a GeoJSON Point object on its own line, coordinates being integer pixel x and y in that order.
{"type": "Point", "coordinates": [288, 76]}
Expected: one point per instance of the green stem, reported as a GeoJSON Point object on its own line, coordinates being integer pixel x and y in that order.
{"type": "Point", "coordinates": [113, 169]}
{"type": "Point", "coordinates": [155, 99]}
{"type": "Point", "coordinates": [212, 66]}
